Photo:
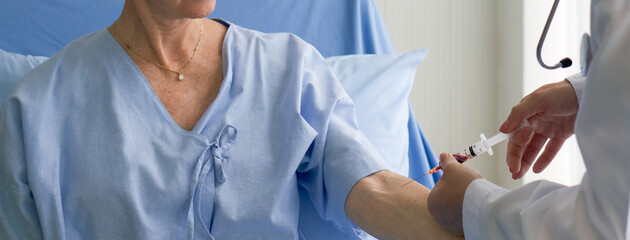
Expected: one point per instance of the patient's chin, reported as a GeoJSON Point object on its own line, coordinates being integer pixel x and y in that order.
{"type": "Point", "coordinates": [201, 8]}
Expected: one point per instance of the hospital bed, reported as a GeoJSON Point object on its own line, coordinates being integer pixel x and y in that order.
{"type": "Point", "coordinates": [334, 27]}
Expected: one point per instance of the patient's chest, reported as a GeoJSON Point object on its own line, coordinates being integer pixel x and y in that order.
{"type": "Point", "coordinates": [234, 176]}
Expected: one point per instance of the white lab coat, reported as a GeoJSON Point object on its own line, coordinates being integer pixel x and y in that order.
{"type": "Point", "coordinates": [597, 208]}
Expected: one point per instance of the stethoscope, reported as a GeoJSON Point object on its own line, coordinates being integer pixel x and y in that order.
{"type": "Point", "coordinates": [585, 49]}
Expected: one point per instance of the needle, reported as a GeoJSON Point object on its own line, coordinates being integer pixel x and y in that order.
{"type": "Point", "coordinates": [414, 180]}
{"type": "Point", "coordinates": [432, 171]}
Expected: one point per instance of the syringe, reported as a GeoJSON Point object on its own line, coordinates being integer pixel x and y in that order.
{"type": "Point", "coordinates": [482, 146]}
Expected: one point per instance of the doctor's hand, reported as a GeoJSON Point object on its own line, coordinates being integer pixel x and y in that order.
{"type": "Point", "coordinates": [447, 197]}
{"type": "Point", "coordinates": [551, 111]}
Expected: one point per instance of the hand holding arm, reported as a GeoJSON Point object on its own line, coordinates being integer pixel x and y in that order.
{"type": "Point", "coordinates": [447, 197]}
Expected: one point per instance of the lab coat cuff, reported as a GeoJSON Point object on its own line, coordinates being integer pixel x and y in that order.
{"type": "Point", "coordinates": [578, 81]}
{"type": "Point", "coordinates": [478, 194]}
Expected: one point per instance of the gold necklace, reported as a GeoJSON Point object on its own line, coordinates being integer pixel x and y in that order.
{"type": "Point", "coordinates": [179, 72]}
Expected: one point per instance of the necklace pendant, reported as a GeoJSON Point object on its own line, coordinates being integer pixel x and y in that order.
{"type": "Point", "coordinates": [180, 77]}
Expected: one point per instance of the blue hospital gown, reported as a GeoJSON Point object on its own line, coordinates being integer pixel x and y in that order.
{"type": "Point", "coordinates": [88, 151]}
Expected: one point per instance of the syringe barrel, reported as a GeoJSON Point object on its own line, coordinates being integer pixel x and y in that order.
{"type": "Point", "coordinates": [469, 152]}
{"type": "Point", "coordinates": [484, 145]}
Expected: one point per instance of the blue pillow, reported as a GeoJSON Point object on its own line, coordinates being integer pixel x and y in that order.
{"type": "Point", "coordinates": [380, 85]}
{"type": "Point", "coordinates": [12, 67]}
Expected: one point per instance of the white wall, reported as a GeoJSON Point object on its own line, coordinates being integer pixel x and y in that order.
{"type": "Point", "coordinates": [509, 83]}
{"type": "Point", "coordinates": [480, 63]}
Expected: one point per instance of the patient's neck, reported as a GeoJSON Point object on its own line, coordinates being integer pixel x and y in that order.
{"type": "Point", "coordinates": [168, 40]}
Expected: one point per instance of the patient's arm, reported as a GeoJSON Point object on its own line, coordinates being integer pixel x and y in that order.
{"type": "Point", "coordinates": [381, 206]}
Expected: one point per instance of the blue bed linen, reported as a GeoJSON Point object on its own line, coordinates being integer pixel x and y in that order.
{"type": "Point", "coordinates": [334, 27]}
{"type": "Point", "coordinates": [43, 27]}
{"type": "Point", "coordinates": [85, 134]}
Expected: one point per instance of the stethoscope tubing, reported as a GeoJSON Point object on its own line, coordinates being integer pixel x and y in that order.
{"type": "Point", "coordinates": [544, 35]}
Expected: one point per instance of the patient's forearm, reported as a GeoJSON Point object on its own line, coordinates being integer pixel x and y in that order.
{"type": "Point", "coordinates": [385, 209]}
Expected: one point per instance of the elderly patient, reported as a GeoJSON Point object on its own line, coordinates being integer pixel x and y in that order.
{"type": "Point", "coordinates": [168, 125]}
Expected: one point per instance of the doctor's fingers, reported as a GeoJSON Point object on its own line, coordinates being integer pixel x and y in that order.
{"type": "Point", "coordinates": [516, 146]}
{"type": "Point", "coordinates": [529, 155]}
{"type": "Point", "coordinates": [529, 106]}
{"type": "Point", "coordinates": [553, 147]}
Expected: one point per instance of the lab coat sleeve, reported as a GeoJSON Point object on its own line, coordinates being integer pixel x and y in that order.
{"type": "Point", "coordinates": [538, 210]}
{"type": "Point", "coordinates": [18, 215]}
{"type": "Point", "coordinates": [578, 81]}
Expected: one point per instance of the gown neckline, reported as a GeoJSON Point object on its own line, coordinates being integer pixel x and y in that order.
{"type": "Point", "coordinates": [224, 87]}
